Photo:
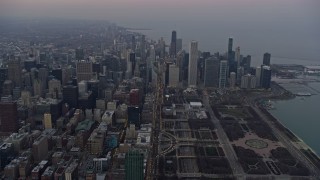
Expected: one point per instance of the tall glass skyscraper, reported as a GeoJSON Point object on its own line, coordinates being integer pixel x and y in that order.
{"type": "Point", "coordinates": [223, 73]}
{"type": "Point", "coordinates": [193, 64]}
{"type": "Point", "coordinates": [173, 45]}
{"type": "Point", "coordinates": [134, 165]}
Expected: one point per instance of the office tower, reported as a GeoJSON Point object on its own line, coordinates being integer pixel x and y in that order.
{"type": "Point", "coordinates": [230, 44]}
{"type": "Point", "coordinates": [134, 165]}
{"type": "Point", "coordinates": [246, 63]}
{"type": "Point", "coordinates": [7, 88]}
{"type": "Point", "coordinates": [66, 75]}
{"type": "Point", "coordinates": [134, 115]}
{"type": "Point", "coordinates": [133, 61]}
{"type": "Point", "coordinates": [150, 63]}
{"type": "Point", "coordinates": [193, 64]}
{"type": "Point", "coordinates": [26, 98]}
{"type": "Point", "coordinates": [162, 46]}
{"type": "Point", "coordinates": [3, 77]}
{"type": "Point", "coordinates": [37, 88]}
{"type": "Point", "coordinates": [266, 59]}
{"type": "Point", "coordinates": [173, 45]}
{"type": "Point", "coordinates": [8, 117]}
{"type": "Point", "coordinates": [223, 73]}
{"type": "Point", "coordinates": [29, 64]}
{"type": "Point", "coordinates": [166, 73]}
{"type": "Point", "coordinates": [143, 48]}
{"type": "Point", "coordinates": [258, 76]}
{"type": "Point", "coordinates": [54, 88]}
{"type": "Point", "coordinates": [70, 95]}
{"type": "Point", "coordinates": [238, 57]}
{"type": "Point", "coordinates": [79, 54]}
{"type": "Point", "coordinates": [179, 63]}
{"type": "Point", "coordinates": [14, 72]}
{"type": "Point", "coordinates": [179, 45]}
{"type": "Point", "coordinates": [57, 73]}
{"type": "Point", "coordinates": [43, 58]}
{"type": "Point", "coordinates": [135, 97]}
{"type": "Point", "coordinates": [133, 42]}
{"type": "Point", "coordinates": [233, 79]}
{"type": "Point", "coordinates": [40, 148]}
{"type": "Point", "coordinates": [248, 81]}
{"type": "Point", "coordinates": [47, 121]}
{"type": "Point", "coordinates": [43, 77]}
{"type": "Point", "coordinates": [84, 70]}
{"type": "Point", "coordinates": [265, 77]}
{"type": "Point", "coordinates": [240, 73]}
{"type": "Point", "coordinates": [211, 73]}
{"type": "Point", "coordinates": [173, 75]}
{"type": "Point", "coordinates": [82, 88]}
{"type": "Point", "coordinates": [16, 93]}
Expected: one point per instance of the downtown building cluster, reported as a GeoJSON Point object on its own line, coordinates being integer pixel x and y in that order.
{"type": "Point", "coordinates": [86, 109]}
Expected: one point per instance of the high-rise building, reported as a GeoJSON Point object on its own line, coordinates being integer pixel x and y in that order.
{"type": "Point", "coordinates": [134, 115]}
{"type": "Point", "coordinates": [47, 121]}
{"type": "Point", "coordinates": [173, 75]}
{"type": "Point", "coordinates": [258, 76]}
{"type": "Point", "coordinates": [133, 42]}
{"type": "Point", "coordinates": [230, 44]}
{"type": "Point", "coordinates": [173, 45]}
{"type": "Point", "coordinates": [14, 72]}
{"type": "Point", "coordinates": [43, 77]}
{"type": "Point", "coordinates": [3, 77]}
{"type": "Point", "coordinates": [37, 88]}
{"type": "Point", "coordinates": [238, 56]}
{"type": "Point", "coordinates": [193, 64]}
{"type": "Point", "coordinates": [211, 73]}
{"type": "Point", "coordinates": [233, 79]}
{"type": "Point", "coordinates": [40, 148]}
{"type": "Point", "coordinates": [8, 117]}
{"type": "Point", "coordinates": [265, 77]}
{"type": "Point", "coordinates": [70, 95]}
{"type": "Point", "coordinates": [57, 73]}
{"type": "Point", "coordinates": [84, 70]}
{"type": "Point", "coordinates": [135, 97]}
{"type": "Point", "coordinates": [232, 64]}
{"type": "Point", "coordinates": [223, 73]}
{"type": "Point", "coordinates": [134, 169]}
{"type": "Point", "coordinates": [266, 59]}
{"type": "Point", "coordinates": [246, 63]}
{"type": "Point", "coordinates": [79, 54]}
{"type": "Point", "coordinates": [248, 81]}
{"type": "Point", "coordinates": [179, 45]}
{"type": "Point", "coordinates": [54, 88]}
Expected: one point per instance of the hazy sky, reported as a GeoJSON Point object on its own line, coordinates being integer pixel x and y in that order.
{"type": "Point", "coordinates": [289, 28]}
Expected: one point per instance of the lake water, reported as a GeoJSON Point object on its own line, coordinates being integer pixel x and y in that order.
{"type": "Point", "coordinates": [302, 116]}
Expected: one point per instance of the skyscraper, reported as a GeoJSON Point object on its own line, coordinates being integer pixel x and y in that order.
{"type": "Point", "coordinates": [230, 44]}
{"type": "Point", "coordinates": [84, 70]}
{"type": "Point", "coordinates": [265, 77]}
{"type": "Point", "coordinates": [173, 45]}
{"type": "Point", "coordinates": [8, 117]}
{"type": "Point", "coordinates": [223, 73]}
{"type": "Point", "coordinates": [70, 96]}
{"type": "Point", "coordinates": [258, 76]}
{"type": "Point", "coordinates": [266, 59]}
{"type": "Point", "coordinates": [134, 165]}
{"type": "Point", "coordinates": [179, 45]}
{"type": "Point", "coordinates": [14, 72]}
{"type": "Point", "coordinates": [211, 72]}
{"type": "Point", "coordinates": [193, 64]}
{"type": "Point", "coordinates": [173, 75]}
{"type": "Point", "coordinates": [237, 56]}
{"type": "Point", "coordinates": [233, 79]}
{"type": "Point", "coordinates": [232, 65]}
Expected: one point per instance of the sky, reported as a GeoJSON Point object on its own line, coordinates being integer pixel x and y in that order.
{"type": "Point", "coordinates": [286, 28]}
